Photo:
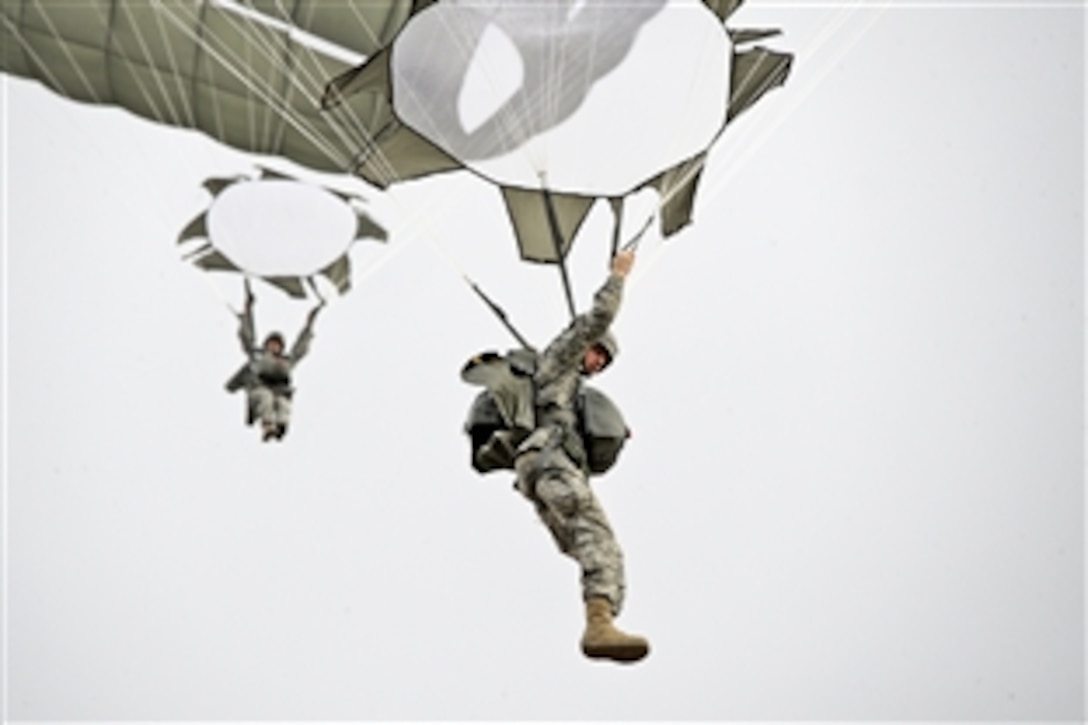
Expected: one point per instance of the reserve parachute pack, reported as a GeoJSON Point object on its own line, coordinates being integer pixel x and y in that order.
{"type": "Point", "coordinates": [502, 415]}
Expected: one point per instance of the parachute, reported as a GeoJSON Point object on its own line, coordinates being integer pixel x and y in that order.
{"type": "Point", "coordinates": [560, 103]}
{"type": "Point", "coordinates": [231, 238]}
{"type": "Point", "coordinates": [247, 74]}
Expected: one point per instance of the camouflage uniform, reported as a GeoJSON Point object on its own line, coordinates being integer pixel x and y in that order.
{"type": "Point", "coordinates": [551, 462]}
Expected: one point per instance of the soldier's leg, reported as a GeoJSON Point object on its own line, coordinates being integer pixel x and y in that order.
{"type": "Point", "coordinates": [573, 515]}
{"type": "Point", "coordinates": [263, 403]}
{"type": "Point", "coordinates": [283, 414]}
{"type": "Point", "coordinates": [571, 512]}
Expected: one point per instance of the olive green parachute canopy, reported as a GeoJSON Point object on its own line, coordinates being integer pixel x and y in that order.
{"type": "Point", "coordinates": [248, 74]}
{"type": "Point", "coordinates": [276, 228]}
{"type": "Point", "coordinates": [584, 100]}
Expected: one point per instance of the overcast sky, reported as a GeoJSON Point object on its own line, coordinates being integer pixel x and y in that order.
{"type": "Point", "coordinates": [855, 486]}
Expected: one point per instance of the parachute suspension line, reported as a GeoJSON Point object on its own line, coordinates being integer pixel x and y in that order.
{"type": "Point", "coordinates": [118, 52]}
{"type": "Point", "coordinates": [356, 133]}
{"type": "Point", "coordinates": [285, 112]}
{"type": "Point", "coordinates": [248, 287]}
{"type": "Point", "coordinates": [219, 293]}
{"type": "Point", "coordinates": [295, 75]}
{"type": "Point", "coordinates": [250, 32]}
{"type": "Point", "coordinates": [369, 140]}
{"type": "Point", "coordinates": [561, 65]}
{"type": "Point", "coordinates": [825, 35]}
{"type": "Point", "coordinates": [828, 30]}
{"type": "Point", "coordinates": [510, 126]}
{"type": "Point", "coordinates": [176, 68]}
{"type": "Point", "coordinates": [172, 113]}
{"type": "Point", "coordinates": [796, 98]}
{"type": "Point", "coordinates": [830, 27]}
{"type": "Point", "coordinates": [313, 287]}
{"type": "Point", "coordinates": [513, 126]}
{"type": "Point", "coordinates": [266, 96]}
{"type": "Point", "coordinates": [633, 242]}
{"type": "Point", "coordinates": [500, 313]}
{"type": "Point", "coordinates": [408, 91]}
{"type": "Point", "coordinates": [187, 113]}
{"type": "Point", "coordinates": [307, 83]}
{"type": "Point", "coordinates": [552, 98]}
{"type": "Point", "coordinates": [617, 204]}
{"type": "Point", "coordinates": [257, 139]}
{"type": "Point", "coordinates": [233, 65]}
{"type": "Point", "coordinates": [87, 85]}
{"type": "Point", "coordinates": [495, 308]}
{"type": "Point", "coordinates": [690, 103]}
{"type": "Point", "coordinates": [387, 171]}
{"type": "Point", "coordinates": [557, 244]}
{"type": "Point", "coordinates": [363, 22]}
{"type": "Point", "coordinates": [198, 41]}
{"type": "Point", "coordinates": [617, 213]}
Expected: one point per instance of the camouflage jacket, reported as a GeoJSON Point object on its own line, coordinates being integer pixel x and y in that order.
{"type": "Point", "coordinates": [558, 374]}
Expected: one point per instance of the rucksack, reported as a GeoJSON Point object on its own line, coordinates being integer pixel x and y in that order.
{"type": "Point", "coordinates": [503, 415]}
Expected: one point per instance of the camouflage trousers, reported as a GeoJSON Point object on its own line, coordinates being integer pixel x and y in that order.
{"type": "Point", "coordinates": [565, 503]}
{"type": "Point", "coordinates": [269, 407]}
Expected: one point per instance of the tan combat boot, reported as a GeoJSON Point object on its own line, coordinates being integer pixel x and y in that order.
{"type": "Point", "coordinates": [603, 641]}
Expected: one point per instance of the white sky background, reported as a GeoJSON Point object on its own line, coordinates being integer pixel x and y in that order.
{"type": "Point", "coordinates": [856, 383]}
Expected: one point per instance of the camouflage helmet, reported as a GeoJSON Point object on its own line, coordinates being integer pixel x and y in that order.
{"type": "Point", "coordinates": [611, 347]}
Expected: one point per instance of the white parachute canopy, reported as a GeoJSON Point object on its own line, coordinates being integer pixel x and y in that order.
{"type": "Point", "coordinates": [589, 97]}
{"type": "Point", "coordinates": [273, 227]}
{"type": "Point", "coordinates": [280, 228]}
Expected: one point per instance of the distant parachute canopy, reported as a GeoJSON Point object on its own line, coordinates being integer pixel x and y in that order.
{"type": "Point", "coordinates": [281, 230]}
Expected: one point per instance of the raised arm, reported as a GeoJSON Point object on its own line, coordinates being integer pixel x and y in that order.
{"type": "Point", "coordinates": [567, 349]}
{"type": "Point", "coordinates": [246, 330]}
{"type": "Point", "coordinates": [305, 336]}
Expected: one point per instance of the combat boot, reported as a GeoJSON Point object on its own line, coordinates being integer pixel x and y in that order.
{"type": "Point", "coordinates": [603, 641]}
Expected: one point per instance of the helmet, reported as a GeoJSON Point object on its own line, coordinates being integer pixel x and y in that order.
{"type": "Point", "coordinates": [277, 337]}
{"type": "Point", "coordinates": [611, 347]}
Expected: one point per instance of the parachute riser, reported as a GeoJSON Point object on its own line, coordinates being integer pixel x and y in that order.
{"type": "Point", "coordinates": [617, 214]}
{"type": "Point", "coordinates": [557, 244]}
{"type": "Point", "coordinates": [501, 314]}
{"type": "Point", "coordinates": [633, 242]}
